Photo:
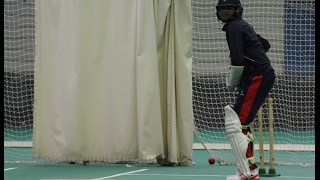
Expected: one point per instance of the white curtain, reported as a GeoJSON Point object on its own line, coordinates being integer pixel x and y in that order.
{"type": "Point", "coordinates": [113, 80]}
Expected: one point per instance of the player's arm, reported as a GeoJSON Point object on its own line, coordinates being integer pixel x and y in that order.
{"type": "Point", "coordinates": [235, 43]}
{"type": "Point", "coordinates": [265, 43]}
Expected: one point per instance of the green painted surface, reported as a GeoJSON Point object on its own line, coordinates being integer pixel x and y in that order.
{"type": "Point", "coordinates": [202, 170]}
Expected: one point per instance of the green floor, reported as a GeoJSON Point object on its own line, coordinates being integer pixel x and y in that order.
{"type": "Point", "coordinates": [202, 170]}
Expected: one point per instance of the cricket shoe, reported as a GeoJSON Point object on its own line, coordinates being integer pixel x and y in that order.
{"type": "Point", "coordinates": [240, 176]}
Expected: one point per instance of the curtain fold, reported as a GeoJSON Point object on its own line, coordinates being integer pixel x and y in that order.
{"type": "Point", "coordinates": [174, 42]}
{"type": "Point", "coordinates": [100, 84]}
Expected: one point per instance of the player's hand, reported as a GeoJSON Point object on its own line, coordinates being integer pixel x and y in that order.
{"type": "Point", "coordinates": [229, 86]}
{"type": "Point", "coordinates": [235, 75]}
{"type": "Point", "coordinates": [232, 88]}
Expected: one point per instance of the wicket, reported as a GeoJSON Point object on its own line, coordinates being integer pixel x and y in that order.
{"type": "Point", "coordinates": [262, 170]}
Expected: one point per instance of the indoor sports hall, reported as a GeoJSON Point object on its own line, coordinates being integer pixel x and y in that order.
{"type": "Point", "coordinates": [136, 89]}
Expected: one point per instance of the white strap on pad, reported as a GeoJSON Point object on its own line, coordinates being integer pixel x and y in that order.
{"type": "Point", "coordinates": [238, 140]}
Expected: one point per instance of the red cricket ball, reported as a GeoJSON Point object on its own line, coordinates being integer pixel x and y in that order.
{"type": "Point", "coordinates": [212, 160]}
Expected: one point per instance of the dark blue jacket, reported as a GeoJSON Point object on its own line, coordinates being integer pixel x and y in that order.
{"type": "Point", "coordinates": [247, 48]}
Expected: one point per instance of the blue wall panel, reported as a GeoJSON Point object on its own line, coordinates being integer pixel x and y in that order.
{"type": "Point", "coordinates": [299, 54]}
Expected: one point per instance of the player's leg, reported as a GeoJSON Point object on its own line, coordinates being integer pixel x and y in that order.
{"type": "Point", "coordinates": [245, 108]}
{"type": "Point", "coordinates": [249, 99]}
{"type": "Point", "coordinates": [238, 140]}
{"type": "Point", "coordinates": [240, 144]}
